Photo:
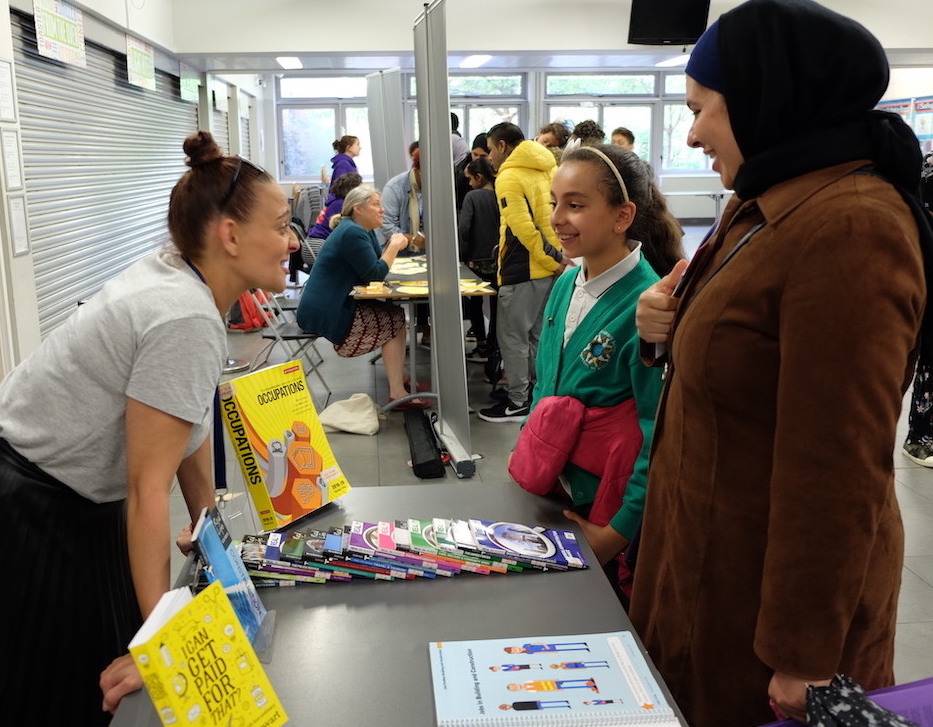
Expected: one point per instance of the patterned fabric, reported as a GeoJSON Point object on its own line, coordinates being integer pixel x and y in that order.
{"type": "Point", "coordinates": [374, 323]}
{"type": "Point", "coordinates": [598, 351]}
{"type": "Point", "coordinates": [920, 427]}
{"type": "Point", "coordinates": [844, 704]}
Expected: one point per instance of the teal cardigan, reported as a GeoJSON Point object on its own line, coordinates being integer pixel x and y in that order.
{"type": "Point", "coordinates": [601, 367]}
{"type": "Point", "coordinates": [351, 256]}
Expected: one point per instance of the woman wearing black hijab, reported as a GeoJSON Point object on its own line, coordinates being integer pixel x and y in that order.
{"type": "Point", "coordinates": [772, 543]}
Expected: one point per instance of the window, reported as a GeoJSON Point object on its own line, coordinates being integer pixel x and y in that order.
{"type": "Point", "coordinates": [634, 117]}
{"type": "Point", "coordinates": [675, 154]}
{"type": "Point", "coordinates": [305, 151]}
{"type": "Point", "coordinates": [599, 85]}
{"type": "Point", "coordinates": [302, 87]}
{"type": "Point", "coordinates": [312, 113]}
{"type": "Point", "coordinates": [480, 102]}
{"type": "Point", "coordinates": [477, 86]}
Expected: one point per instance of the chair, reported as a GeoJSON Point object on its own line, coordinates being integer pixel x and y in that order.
{"type": "Point", "coordinates": [287, 334]}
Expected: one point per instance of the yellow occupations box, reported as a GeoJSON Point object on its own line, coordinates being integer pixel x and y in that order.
{"type": "Point", "coordinates": [289, 467]}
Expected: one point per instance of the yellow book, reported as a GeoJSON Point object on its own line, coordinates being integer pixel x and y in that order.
{"type": "Point", "coordinates": [289, 467]}
{"type": "Point", "coordinates": [198, 666]}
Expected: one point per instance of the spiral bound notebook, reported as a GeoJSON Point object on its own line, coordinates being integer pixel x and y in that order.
{"type": "Point", "coordinates": [577, 680]}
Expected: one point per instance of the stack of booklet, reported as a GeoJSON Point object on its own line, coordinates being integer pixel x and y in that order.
{"type": "Point", "coordinates": [406, 550]}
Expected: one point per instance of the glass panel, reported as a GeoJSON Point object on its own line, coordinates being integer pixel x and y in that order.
{"type": "Point", "coordinates": [573, 85]}
{"type": "Point", "coordinates": [322, 87]}
{"type": "Point", "coordinates": [675, 154]}
{"type": "Point", "coordinates": [357, 118]}
{"type": "Point", "coordinates": [636, 119]}
{"type": "Point", "coordinates": [570, 116]}
{"type": "Point", "coordinates": [675, 83]}
{"type": "Point", "coordinates": [485, 85]}
{"type": "Point", "coordinates": [483, 118]}
{"type": "Point", "coordinates": [477, 86]}
{"type": "Point", "coordinates": [479, 119]}
{"type": "Point", "coordinates": [307, 141]}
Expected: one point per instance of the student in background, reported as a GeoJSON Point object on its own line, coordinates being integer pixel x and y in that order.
{"type": "Point", "coordinates": [772, 546]}
{"type": "Point", "coordinates": [354, 256]}
{"type": "Point", "coordinates": [404, 207]}
{"type": "Point", "coordinates": [624, 138]}
{"type": "Point", "coordinates": [587, 133]}
{"type": "Point", "coordinates": [97, 423]}
{"type": "Point", "coordinates": [607, 210]}
{"type": "Point", "coordinates": [529, 258]}
{"type": "Point", "coordinates": [479, 234]}
{"type": "Point", "coordinates": [321, 228]}
{"type": "Point", "coordinates": [343, 162]}
{"type": "Point", "coordinates": [458, 147]}
{"type": "Point", "coordinates": [461, 179]}
{"type": "Point", "coordinates": [553, 135]}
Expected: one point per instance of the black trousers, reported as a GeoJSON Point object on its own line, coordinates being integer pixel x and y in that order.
{"type": "Point", "coordinates": [68, 607]}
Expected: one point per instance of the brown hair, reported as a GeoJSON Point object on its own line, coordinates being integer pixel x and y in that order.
{"type": "Point", "coordinates": [561, 134]}
{"type": "Point", "coordinates": [214, 185]}
{"type": "Point", "coordinates": [625, 134]}
{"type": "Point", "coordinates": [654, 226]}
{"type": "Point", "coordinates": [343, 143]}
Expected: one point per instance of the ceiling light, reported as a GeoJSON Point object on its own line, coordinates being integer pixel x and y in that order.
{"type": "Point", "coordinates": [671, 62]}
{"type": "Point", "coordinates": [475, 61]}
{"type": "Point", "coordinates": [289, 63]}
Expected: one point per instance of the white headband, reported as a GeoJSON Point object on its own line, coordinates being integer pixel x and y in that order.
{"type": "Point", "coordinates": [612, 166]}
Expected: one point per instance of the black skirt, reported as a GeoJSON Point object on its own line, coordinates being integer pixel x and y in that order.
{"type": "Point", "coordinates": [68, 607]}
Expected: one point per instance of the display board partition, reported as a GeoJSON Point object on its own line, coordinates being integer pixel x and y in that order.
{"type": "Point", "coordinates": [448, 357]}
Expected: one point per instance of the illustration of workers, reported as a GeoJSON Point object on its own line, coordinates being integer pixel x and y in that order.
{"type": "Point", "coordinates": [598, 702]}
{"type": "Point", "coordinates": [544, 648]}
{"type": "Point", "coordinates": [552, 685]}
{"type": "Point", "coordinates": [515, 667]}
{"type": "Point", "coordinates": [581, 665]}
{"type": "Point", "coordinates": [537, 704]}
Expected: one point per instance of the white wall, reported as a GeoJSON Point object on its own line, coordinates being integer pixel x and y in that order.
{"type": "Point", "coordinates": [386, 25]}
{"type": "Point", "coordinates": [910, 83]}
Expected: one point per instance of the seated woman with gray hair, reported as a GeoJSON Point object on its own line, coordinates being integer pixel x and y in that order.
{"type": "Point", "coordinates": [353, 256]}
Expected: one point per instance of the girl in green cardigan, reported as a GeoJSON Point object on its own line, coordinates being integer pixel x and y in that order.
{"type": "Point", "coordinates": [607, 210]}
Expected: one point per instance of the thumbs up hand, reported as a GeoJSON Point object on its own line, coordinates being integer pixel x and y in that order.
{"type": "Point", "coordinates": [657, 305]}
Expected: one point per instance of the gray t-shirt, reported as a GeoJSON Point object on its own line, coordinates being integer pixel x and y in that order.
{"type": "Point", "coordinates": [152, 334]}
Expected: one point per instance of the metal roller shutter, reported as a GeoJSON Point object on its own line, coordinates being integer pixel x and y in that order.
{"type": "Point", "coordinates": [100, 159]}
{"type": "Point", "coordinates": [221, 130]}
{"type": "Point", "coordinates": [246, 144]}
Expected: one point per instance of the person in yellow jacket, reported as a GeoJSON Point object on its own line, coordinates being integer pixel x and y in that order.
{"type": "Point", "coordinates": [530, 256]}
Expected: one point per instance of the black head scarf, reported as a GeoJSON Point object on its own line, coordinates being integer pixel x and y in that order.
{"type": "Point", "coordinates": [801, 83]}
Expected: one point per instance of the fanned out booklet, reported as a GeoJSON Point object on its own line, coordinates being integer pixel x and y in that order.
{"type": "Point", "coordinates": [406, 549]}
{"type": "Point", "coordinates": [222, 562]}
{"type": "Point", "coordinates": [577, 680]}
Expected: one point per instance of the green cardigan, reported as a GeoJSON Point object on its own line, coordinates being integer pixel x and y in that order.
{"type": "Point", "coordinates": [601, 367]}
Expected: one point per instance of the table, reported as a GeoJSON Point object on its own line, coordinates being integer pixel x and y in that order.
{"type": "Point", "coordinates": [356, 654]}
{"type": "Point", "coordinates": [470, 285]}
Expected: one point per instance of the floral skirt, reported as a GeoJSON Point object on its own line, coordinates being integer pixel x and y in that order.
{"type": "Point", "coordinates": [374, 323]}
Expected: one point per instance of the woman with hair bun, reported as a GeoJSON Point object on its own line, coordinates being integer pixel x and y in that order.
{"type": "Point", "coordinates": [347, 148]}
{"type": "Point", "coordinates": [97, 423]}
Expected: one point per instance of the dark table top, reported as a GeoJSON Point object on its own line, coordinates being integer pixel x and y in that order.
{"type": "Point", "coordinates": [357, 653]}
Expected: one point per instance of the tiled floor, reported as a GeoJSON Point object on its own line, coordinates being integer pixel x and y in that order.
{"type": "Point", "coordinates": [382, 460]}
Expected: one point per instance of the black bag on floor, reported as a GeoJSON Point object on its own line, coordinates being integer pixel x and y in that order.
{"type": "Point", "coordinates": [426, 461]}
